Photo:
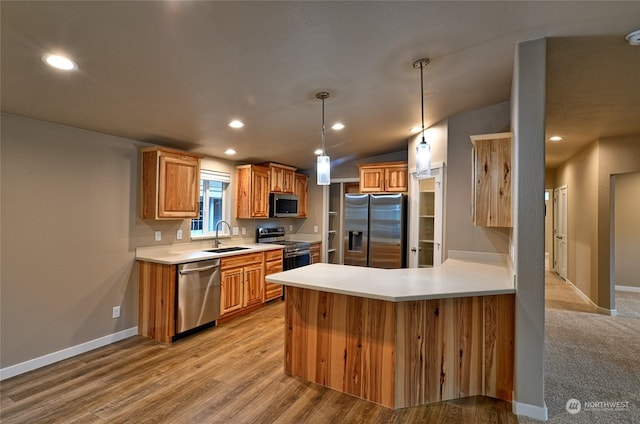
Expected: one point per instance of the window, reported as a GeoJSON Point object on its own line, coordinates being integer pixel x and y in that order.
{"type": "Point", "coordinates": [213, 203]}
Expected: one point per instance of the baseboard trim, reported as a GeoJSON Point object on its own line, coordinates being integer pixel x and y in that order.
{"type": "Point", "coordinates": [531, 411]}
{"type": "Point", "coordinates": [42, 361]}
{"type": "Point", "coordinates": [599, 309]}
{"type": "Point", "coordinates": [628, 289]}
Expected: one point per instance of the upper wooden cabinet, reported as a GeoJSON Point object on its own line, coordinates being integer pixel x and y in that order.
{"type": "Point", "coordinates": [252, 191]}
{"type": "Point", "coordinates": [170, 184]}
{"type": "Point", "coordinates": [282, 177]}
{"type": "Point", "coordinates": [491, 185]}
{"type": "Point", "coordinates": [301, 190]}
{"type": "Point", "coordinates": [385, 177]}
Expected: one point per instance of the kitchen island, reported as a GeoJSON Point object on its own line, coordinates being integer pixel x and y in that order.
{"type": "Point", "coordinates": [402, 337]}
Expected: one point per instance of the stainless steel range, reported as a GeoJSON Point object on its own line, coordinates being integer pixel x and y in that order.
{"type": "Point", "coordinates": [295, 253]}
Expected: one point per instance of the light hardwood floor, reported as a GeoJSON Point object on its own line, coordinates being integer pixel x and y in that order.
{"type": "Point", "coordinates": [227, 374]}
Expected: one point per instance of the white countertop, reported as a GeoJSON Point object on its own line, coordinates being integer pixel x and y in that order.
{"type": "Point", "coordinates": [454, 278]}
{"type": "Point", "coordinates": [179, 254]}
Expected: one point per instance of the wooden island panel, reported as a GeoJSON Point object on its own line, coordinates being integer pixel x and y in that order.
{"type": "Point", "coordinates": [342, 342]}
{"type": "Point", "coordinates": [401, 354]}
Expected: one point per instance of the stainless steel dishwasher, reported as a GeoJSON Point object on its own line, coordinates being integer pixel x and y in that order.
{"type": "Point", "coordinates": [198, 294]}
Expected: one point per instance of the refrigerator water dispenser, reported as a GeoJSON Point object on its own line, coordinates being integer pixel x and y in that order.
{"type": "Point", "coordinates": [355, 241]}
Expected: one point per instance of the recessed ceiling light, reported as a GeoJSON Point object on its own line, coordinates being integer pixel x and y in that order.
{"type": "Point", "coordinates": [236, 124]}
{"type": "Point", "coordinates": [337, 126]}
{"type": "Point", "coordinates": [60, 62]}
{"type": "Point", "coordinates": [555, 138]}
{"type": "Point", "coordinates": [634, 38]}
{"type": "Point", "coordinates": [317, 152]}
{"type": "Point", "coordinates": [229, 152]}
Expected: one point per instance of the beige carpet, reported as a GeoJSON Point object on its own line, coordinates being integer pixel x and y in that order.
{"type": "Point", "coordinates": [590, 357]}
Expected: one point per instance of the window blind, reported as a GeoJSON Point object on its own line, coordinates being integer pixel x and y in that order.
{"type": "Point", "coordinates": [210, 175]}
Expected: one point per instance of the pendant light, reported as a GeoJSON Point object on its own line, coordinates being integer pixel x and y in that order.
{"type": "Point", "coordinates": [324, 163]}
{"type": "Point", "coordinates": [423, 149]}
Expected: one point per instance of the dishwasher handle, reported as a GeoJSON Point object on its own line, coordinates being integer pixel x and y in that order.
{"type": "Point", "coordinates": [204, 268]}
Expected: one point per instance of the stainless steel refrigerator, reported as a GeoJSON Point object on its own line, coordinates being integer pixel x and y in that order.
{"type": "Point", "coordinates": [375, 230]}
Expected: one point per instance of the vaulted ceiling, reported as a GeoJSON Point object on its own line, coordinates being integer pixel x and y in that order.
{"type": "Point", "coordinates": [176, 72]}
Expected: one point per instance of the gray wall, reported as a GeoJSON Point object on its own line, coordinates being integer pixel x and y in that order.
{"type": "Point", "coordinates": [69, 233]}
{"type": "Point", "coordinates": [588, 176]}
{"type": "Point", "coordinates": [528, 111]}
{"type": "Point", "coordinates": [460, 233]}
{"type": "Point", "coordinates": [627, 230]}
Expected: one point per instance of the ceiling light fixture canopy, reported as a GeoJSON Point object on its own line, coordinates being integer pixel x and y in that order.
{"type": "Point", "coordinates": [633, 38]}
{"type": "Point", "coordinates": [423, 149]}
{"type": "Point", "coordinates": [324, 163]}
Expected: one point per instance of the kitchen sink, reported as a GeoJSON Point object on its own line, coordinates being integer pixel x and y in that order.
{"type": "Point", "coordinates": [226, 249]}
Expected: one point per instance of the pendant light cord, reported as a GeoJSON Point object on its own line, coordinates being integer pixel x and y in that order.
{"type": "Point", "coordinates": [322, 95]}
{"type": "Point", "coordinates": [422, 100]}
{"type": "Point", "coordinates": [323, 151]}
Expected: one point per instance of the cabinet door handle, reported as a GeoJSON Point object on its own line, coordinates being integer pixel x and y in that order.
{"type": "Point", "coordinates": [414, 250]}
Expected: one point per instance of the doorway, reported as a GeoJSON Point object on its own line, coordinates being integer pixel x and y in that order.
{"type": "Point", "coordinates": [560, 196]}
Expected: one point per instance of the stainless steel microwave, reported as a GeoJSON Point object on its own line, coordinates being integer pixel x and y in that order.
{"type": "Point", "coordinates": [283, 205]}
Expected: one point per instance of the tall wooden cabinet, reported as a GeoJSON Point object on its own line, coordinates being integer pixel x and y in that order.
{"type": "Point", "coordinates": [384, 177]}
{"type": "Point", "coordinates": [252, 191]}
{"type": "Point", "coordinates": [491, 185]}
{"type": "Point", "coordinates": [302, 190]}
{"type": "Point", "coordinates": [170, 184]}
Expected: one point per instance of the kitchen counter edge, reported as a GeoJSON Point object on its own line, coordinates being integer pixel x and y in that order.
{"type": "Point", "coordinates": [454, 278]}
{"type": "Point", "coordinates": [170, 257]}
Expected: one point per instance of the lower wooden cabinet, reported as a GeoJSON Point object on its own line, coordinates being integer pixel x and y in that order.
{"type": "Point", "coordinates": [314, 249]}
{"type": "Point", "coordinates": [241, 284]}
{"type": "Point", "coordinates": [242, 289]}
{"type": "Point", "coordinates": [272, 264]}
{"type": "Point", "coordinates": [156, 301]}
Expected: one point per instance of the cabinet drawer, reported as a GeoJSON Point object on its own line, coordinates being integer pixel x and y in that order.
{"type": "Point", "coordinates": [271, 255]}
{"type": "Point", "coordinates": [271, 267]}
{"type": "Point", "coordinates": [240, 260]}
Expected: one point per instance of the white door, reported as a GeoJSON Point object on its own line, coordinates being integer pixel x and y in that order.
{"type": "Point", "coordinates": [425, 220]}
{"type": "Point", "coordinates": [560, 231]}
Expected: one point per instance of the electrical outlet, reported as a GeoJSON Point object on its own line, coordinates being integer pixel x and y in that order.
{"type": "Point", "coordinates": [116, 312]}
{"type": "Point", "coordinates": [179, 234]}
{"type": "Point", "coordinates": [158, 235]}
{"type": "Point", "coordinates": [315, 228]}
{"type": "Point", "coordinates": [244, 231]}
{"type": "Point", "coordinates": [235, 231]}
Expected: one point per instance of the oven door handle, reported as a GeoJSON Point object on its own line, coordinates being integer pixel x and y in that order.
{"type": "Point", "coordinates": [297, 253]}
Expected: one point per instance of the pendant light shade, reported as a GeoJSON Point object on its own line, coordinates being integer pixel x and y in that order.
{"type": "Point", "coordinates": [324, 163]}
{"type": "Point", "coordinates": [423, 149]}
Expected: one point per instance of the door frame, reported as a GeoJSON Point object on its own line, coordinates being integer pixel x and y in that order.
{"type": "Point", "coordinates": [560, 243]}
{"type": "Point", "coordinates": [437, 172]}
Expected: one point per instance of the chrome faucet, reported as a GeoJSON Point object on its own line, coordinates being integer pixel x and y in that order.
{"type": "Point", "coordinates": [217, 226]}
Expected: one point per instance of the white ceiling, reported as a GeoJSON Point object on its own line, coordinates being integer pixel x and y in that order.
{"type": "Point", "coordinates": [176, 72]}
